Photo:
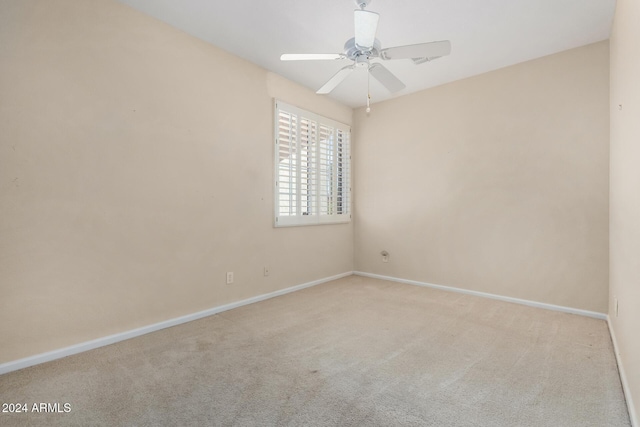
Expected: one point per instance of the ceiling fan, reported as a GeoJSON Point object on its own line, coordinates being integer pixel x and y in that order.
{"type": "Point", "coordinates": [365, 46]}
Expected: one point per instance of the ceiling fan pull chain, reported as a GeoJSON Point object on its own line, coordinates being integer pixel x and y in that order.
{"type": "Point", "coordinates": [368, 91]}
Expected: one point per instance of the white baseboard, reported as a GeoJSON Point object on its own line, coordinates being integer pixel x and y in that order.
{"type": "Point", "coordinates": [111, 339]}
{"type": "Point", "coordinates": [623, 378]}
{"type": "Point", "coordinates": [563, 309]}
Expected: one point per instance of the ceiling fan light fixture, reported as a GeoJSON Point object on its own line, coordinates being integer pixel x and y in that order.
{"type": "Point", "coordinates": [366, 24]}
{"type": "Point", "coordinates": [362, 62]}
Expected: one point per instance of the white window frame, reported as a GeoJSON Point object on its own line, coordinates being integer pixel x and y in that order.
{"type": "Point", "coordinates": [327, 194]}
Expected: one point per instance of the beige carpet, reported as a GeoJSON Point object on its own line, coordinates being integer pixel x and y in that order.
{"type": "Point", "coordinates": [355, 351]}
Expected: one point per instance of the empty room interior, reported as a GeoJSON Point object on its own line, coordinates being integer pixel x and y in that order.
{"type": "Point", "coordinates": [205, 222]}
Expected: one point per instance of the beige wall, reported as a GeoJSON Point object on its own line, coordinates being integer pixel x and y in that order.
{"type": "Point", "coordinates": [497, 183]}
{"type": "Point", "coordinates": [135, 170]}
{"type": "Point", "coordinates": [119, 138]}
{"type": "Point", "coordinates": [625, 192]}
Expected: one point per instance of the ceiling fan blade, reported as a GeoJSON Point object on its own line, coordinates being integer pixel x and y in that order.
{"type": "Point", "coordinates": [366, 24]}
{"type": "Point", "coordinates": [384, 76]}
{"type": "Point", "coordinates": [421, 50]}
{"type": "Point", "coordinates": [311, 56]}
{"type": "Point", "coordinates": [336, 79]}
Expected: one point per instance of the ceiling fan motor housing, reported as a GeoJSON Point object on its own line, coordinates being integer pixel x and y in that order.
{"type": "Point", "coordinates": [352, 51]}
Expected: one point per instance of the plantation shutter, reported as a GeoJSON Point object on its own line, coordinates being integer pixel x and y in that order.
{"type": "Point", "coordinates": [287, 167]}
{"type": "Point", "coordinates": [312, 182]}
{"type": "Point", "coordinates": [326, 169]}
{"type": "Point", "coordinates": [343, 173]}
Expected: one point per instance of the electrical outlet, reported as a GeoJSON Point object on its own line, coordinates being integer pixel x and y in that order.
{"type": "Point", "coordinates": [229, 277]}
{"type": "Point", "coordinates": [266, 271]}
{"type": "Point", "coordinates": [385, 256]}
{"type": "Point", "coordinates": [615, 305]}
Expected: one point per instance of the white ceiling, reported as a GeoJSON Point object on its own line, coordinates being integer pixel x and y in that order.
{"type": "Point", "coordinates": [485, 34]}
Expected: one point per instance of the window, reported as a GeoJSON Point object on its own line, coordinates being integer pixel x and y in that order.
{"type": "Point", "coordinates": [312, 168]}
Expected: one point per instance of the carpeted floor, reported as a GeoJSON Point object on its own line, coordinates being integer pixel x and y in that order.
{"type": "Point", "coordinates": [353, 352]}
